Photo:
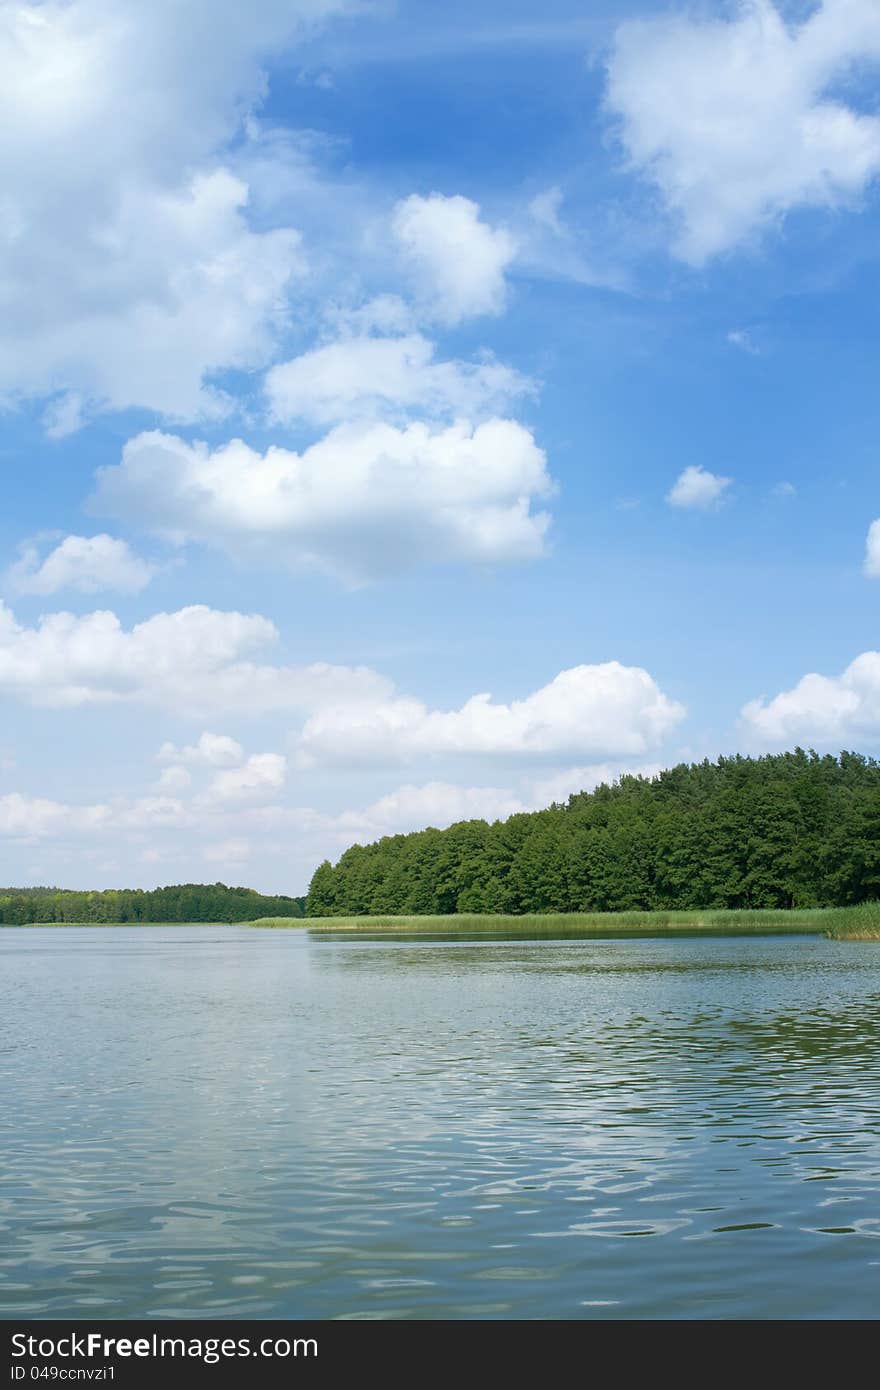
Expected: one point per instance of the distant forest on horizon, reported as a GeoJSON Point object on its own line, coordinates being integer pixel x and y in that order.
{"type": "Point", "coordinates": [788, 830]}
{"type": "Point", "coordinates": [182, 902]}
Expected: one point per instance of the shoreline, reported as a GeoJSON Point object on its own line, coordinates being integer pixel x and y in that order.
{"type": "Point", "coordinates": [860, 923]}
{"type": "Point", "coordinates": [848, 923]}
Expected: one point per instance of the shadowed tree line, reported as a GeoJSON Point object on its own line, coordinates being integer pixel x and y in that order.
{"type": "Point", "coordinates": [183, 902]}
{"type": "Point", "coordinates": [782, 831]}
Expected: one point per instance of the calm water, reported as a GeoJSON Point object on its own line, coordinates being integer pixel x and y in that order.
{"type": "Point", "coordinates": [220, 1122]}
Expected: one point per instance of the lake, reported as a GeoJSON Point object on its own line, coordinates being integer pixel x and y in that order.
{"type": "Point", "coordinates": [223, 1122]}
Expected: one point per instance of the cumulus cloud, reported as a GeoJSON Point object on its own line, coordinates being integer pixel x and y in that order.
{"type": "Point", "coordinates": [821, 709]}
{"type": "Point", "coordinates": [439, 804]}
{"type": "Point", "coordinates": [170, 821]}
{"type": "Point", "coordinates": [239, 808]}
{"type": "Point", "coordinates": [436, 804]}
{"type": "Point", "coordinates": [174, 780]}
{"type": "Point", "coordinates": [86, 563]}
{"type": "Point", "coordinates": [365, 500]}
{"type": "Point", "coordinates": [191, 659]}
{"type": "Point", "coordinates": [594, 711]}
{"type": "Point", "coordinates": [561, 785]}
{"type": "Point", "coordinates": [32, 817]}
{"type": "Point", "coordinates": [383, 314]}
{"type": "Point", "coordinates": [458, 261]}
{"type": "Point", "coordinates": [236, 805]}
{"type": "Point", "coordinates": [36, 818]}
{"type": "Point", "coordinates": [262, 775]}
{"type": "Point", "coordinates": [212, 295]}
{"type": "Point", "coordinates": [697, 489]}
{"type": "Point", "coordinates": [367, 376]}
{"type": "Point", "coordinates": [210, 750]}
{"type": "Point", "coordinates": [737, 121]}
{"type": "Point", "coordinates": [130, 269]}
{"type": "Point", "coordinates": [872, 551]}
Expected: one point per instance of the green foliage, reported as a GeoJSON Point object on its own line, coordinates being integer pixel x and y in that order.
{"type": "Point", "coordinates": [860, 923]}
{"type": "Point", "coordinates": [184, 902]}
{"type": "Point", "coordinates": [790, 830]}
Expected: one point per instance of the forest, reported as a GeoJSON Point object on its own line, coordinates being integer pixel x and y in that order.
{"type": "Point", "coordinates": [183, 902]}
{"type": "Point", "coordinates": [789, 830]}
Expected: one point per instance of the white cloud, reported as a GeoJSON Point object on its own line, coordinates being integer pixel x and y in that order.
{"type": "Point", "coordinates": [189, 660]}
{"type": "Point", "coordinates": [696, 488]}
{"type": "Point", "coordinates": [365, 500]}
{"type": "Point", "coordinates": [458, 260]}
{"type": "Point", "coordinates": [235, 851]}
{"type": "Point", "coordinates": [130, 271]}
{"type": "Point", "coordinates": [32, 817]}
{"type": "Point", "coordinates": [821, 709]}
{"type": "Point", "coordinates": [383, 314]}
{"type": "Point", "coordinates": [262, 775]}
{"type": "Point", "coordinates": [434, 803]}
{"type": "Point", "coordinates": [561, 785]}
{"type": "Point", "coordinates": [200, 293]}
{"type": "Point", "coordinates": [211, 750]}
{"type": "Point", "coordinates": [598, 711]}
{"type": "Point", "coordinates": [737, 121]}
{"type": "Point", "coordinates": [370, 376]}
{"type": "Point", "coordinates": [86, 563]}
{"type": "Point", "coordinates": [119, 822]}
{"type": "Point", "coordinates": [173, 780]}
{"type": "Point", "coordinates": [784, 491]}
{"type": "Point", "coordinates": [872, 551]}
{"type": "Point", "coordinates": [439, 804]}
{"type": "Point", "coordinates": [35, 818]}
{"type": "Point", "coordinates": [741, 338]}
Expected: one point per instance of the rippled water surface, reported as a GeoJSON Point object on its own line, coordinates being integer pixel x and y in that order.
{"type": "Point", "coordinates": [222, 1122]}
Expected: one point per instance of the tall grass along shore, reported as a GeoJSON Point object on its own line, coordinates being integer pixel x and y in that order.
{"type": "Point", "coordinates": [861, 923]}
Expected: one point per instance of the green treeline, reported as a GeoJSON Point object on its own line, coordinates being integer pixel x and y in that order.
{"type": "Point", "coordinates": [782, 831]}
{"type": "Point", "coordinates": [183, 902]}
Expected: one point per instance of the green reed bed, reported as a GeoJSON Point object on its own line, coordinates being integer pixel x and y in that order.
{"type": "Point", "coordinates": [273, 923]}
{"type": "Point", "coordinates": [711, 922]}
{"type": "Point", "coordinates": [861, 923]}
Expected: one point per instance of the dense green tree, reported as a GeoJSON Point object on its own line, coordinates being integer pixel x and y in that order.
{"type": "Point", "coordinates": [319, 902]}
{"type": "Point", "coordinates": [786, 830]}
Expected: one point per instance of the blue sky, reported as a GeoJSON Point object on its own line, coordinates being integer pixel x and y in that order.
{"type": "Point", "coordinates": [416, 412]}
